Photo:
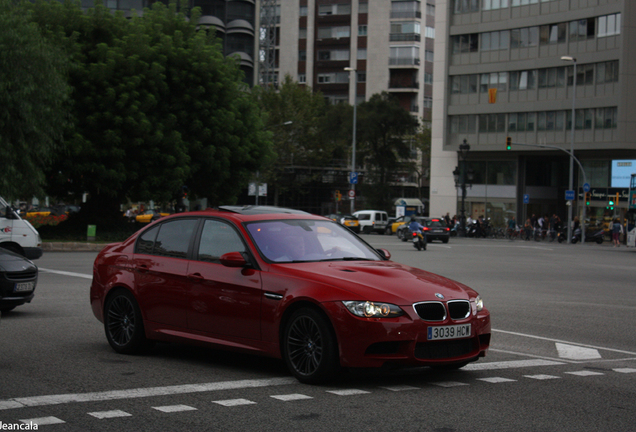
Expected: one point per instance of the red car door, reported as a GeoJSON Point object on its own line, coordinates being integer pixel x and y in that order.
{"type": "Point", "coordinates": [161, 270]}
{"type": "Point", "coordinates": [223, 301]}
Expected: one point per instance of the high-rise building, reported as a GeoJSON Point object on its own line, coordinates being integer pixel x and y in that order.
{"type": "Point", "coordinates": [509, 68]}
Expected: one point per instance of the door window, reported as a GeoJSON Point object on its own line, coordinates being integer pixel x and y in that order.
{"type": "Point", "coordinates": [218, 238]}
{"type": "Point", "coordinates": [170, 239]}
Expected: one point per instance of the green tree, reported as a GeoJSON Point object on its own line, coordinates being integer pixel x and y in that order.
{"type": "Point", "coordinates": [297, 121]}
{"type": "Point", "coordinates": [382, 127]}
{"type": "Point", "coordinates": [156, 106]}
{"type": "Point", "coordinates": [33, 103]}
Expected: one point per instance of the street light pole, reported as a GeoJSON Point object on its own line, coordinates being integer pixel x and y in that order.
{"type": "Point", "coordinates": [571, 183]}
{"type": "Point", "coordinates": [353, 143]}
{"type": "Point", "coordinates": [460, 175]}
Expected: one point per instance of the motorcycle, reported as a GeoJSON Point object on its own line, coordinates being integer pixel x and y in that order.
{"type": "Point", "coordinates": [419, 240]}
{"type": "Point", "coordinates": [597, 236]}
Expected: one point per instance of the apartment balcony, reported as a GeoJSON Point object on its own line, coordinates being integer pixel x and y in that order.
{"type": "Point", "coordinates": [406, 14]}
{"type": "Point", "coordinates": [404, 61]}
{"type": "Point", "coordinates": [404, 37]}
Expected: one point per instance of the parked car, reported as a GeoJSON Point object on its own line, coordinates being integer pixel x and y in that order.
{"type": "Point", "coordinates": [372, 221]}
{"type": "Point", "coordinates": [150, 216]}
{"type": "Point", "coordinates": [18, 278]}
{"type": "Point", "coordinates": [434, 228]}
{"type": "Point", "coordinates": [285, 284]}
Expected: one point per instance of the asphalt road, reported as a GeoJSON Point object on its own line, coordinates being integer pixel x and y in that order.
{"type": "Point", "coordinates": [563, 357]}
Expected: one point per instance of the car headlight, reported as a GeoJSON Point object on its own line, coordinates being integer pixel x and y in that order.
{"type": "Point", "coordinates": [479, 303]}
{"type": "Point", "coordinates": [367, 309]}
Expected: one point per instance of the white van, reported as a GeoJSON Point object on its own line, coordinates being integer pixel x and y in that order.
{"type": "Point", "coordinates": [17, 234]}
{"type": "Point", "coordinates": [372, 220]}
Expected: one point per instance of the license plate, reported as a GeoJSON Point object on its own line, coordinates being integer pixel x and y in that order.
{"type": "Point", "coordinates": [449, 332]}
{"type": "Point", "coordinates": [24, 286]}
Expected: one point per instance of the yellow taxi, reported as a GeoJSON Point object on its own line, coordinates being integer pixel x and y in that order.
{"type": "Point", "coordinates": [393, 224]}
{"type": "Point", "coordinates": [150, 216]}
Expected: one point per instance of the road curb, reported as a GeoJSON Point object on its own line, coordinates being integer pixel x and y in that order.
{"type": "Point", "coordinates": [72, 247]}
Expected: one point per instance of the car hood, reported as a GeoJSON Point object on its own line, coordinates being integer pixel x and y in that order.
{"type": "Point", "coordinates": [10, 262]}
{"type": "Point", "coordinates": [384, 281]}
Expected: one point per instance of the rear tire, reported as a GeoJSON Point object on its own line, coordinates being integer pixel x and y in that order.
{"type": "Point", "coordinates": [599, 240]}
{"type": "Point", "coordinates": [123, 323]}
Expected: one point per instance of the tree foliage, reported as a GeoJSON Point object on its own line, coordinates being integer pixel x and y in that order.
{"type": "Point", "coordinates": [298, 121]}
{"type": "Point", "coordinates": [33, 103]}
{"type": "Point", "coordinates": [156, 106]}
{"type": "Point", "coordinates": [382, 127]}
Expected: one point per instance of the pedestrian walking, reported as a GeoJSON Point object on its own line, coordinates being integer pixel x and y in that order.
{"type": "Point", "coordinates": [617, 230]}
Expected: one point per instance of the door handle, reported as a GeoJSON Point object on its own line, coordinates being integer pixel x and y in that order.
{"type": "Point", "coordinates": [196, 277]}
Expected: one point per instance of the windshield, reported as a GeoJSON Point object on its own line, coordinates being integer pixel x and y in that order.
{"type": "Point", "coordinates": [308, 240]}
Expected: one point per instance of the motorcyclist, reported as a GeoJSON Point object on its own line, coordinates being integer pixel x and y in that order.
{"type": "Point", "coordinates": [417, 227]}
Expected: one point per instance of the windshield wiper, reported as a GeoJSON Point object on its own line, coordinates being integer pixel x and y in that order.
{"type": "Point", "coordinates": [347, 259]}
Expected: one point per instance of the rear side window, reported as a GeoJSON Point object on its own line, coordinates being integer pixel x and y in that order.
{"type": "Point", "coordinates": [170, 239]}
{"type": "Point", "coordinates": [364, 216]}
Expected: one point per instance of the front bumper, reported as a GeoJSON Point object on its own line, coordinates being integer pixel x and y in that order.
{"type": "Point", "coordinates": [11, 302]}
{"type": "Point", "coordinates": [374, 342]}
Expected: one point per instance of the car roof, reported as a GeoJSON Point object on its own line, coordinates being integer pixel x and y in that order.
{"type": "Point", "coordinates": [240, 214]}
{"type": "Point", "coordinates": [259, 210]}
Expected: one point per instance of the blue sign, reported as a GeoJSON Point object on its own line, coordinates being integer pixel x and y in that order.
{"type": "Point", "coordinates": [353, 177]}
{"type": "Point", "coordinates": [586, 187]}
{"type": "Point", "coordinates": [526, 198]}
{"type": "Point", "coordinates": [569, 195]}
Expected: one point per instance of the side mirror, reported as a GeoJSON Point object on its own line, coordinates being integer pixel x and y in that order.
{"type": "Point", "coordinates": [385, 253]}
{"type": "Point", "coordinates": [233, 259]}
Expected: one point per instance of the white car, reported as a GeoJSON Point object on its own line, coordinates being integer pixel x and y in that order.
{"type": "Point", "coordinates": [372, 220]}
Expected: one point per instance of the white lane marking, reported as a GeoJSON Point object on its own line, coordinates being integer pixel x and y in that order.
{"type": "Point", "coordinates": [625, 370]}
{"type": "Point", "coordinates": [510, 364]}
{"type": "Point", "coordinates": [562, 341]}
{"type": "Point", "coordinates": [65, 273]}
{"type": "Point", "coordinates": [41, 421]}
{"type": "Point", "coordinates": [576, 352]}
{"type": "Point", "coordinates": [542, 377]}
{"type": "Point", "coordinates": [585, 373]}
{"type": "Point", "coordinates": [496, 380]}
{"type": "Point", "coordinates": [349, 392]}
{"type": "Point", "coordinates": [291, 397]}
{"type": "Point", "coordinates": [174, 408]}
{"type": "Point", "coordinates": [449, 384]}
{"type": "Point", "coordinates": [109, 414]}
{"type": "Point", "coordinates": [400, 388]}
{"type": "Point", "coordinates": [141, 392]}
{"type": "Point", "coordinates": [234, 402]}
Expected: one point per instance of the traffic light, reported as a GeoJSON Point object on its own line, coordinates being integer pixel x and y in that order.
{"type": "Point", "coordinates": [610, 205]}
{"type": "Point", "coordinates": [508, 143]}
{"type": "Point", "coordinates": [588, 198]}
{"type": "Point", "coordinates": [338, 195]}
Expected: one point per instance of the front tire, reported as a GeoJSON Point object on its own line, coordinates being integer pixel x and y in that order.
{"type": "Point", "coordinates": [309, 347]}
{"type": "Point", "coordinates": [123, 323]}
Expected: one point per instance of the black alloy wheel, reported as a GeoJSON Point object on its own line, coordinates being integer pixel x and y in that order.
{"type": "Point", "coordinates": [123, 323]}
{"type": "Point", "coordinates": [309, 347]}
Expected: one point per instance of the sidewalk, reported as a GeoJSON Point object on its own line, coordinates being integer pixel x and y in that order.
{"type": "Point", "coordinates": [72, 246]}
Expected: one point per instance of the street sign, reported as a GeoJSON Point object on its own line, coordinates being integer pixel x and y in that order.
{"type": "Point", "coordinates": [569, 195]}
{"type": "Point", "coordinates": [352, 194]}
{"type": "Point", "coordinates": [586, 187]}
{"type": "Point", "coordinates": [353, 177]}
{"type": "Point", "coordinates": [526, 198]}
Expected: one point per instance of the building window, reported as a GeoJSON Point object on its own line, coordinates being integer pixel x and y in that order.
{"type": "Point", "coordinates": [584, 74]}
{"type": "Point", "coordinates": [405, 9]}
{"type": "Point", "coordinates": [302, 78]}
{"type": "Point", "coordinates": [495, 40]}
{"type": "Point", "coordinates": [303, 11]}
{"type": "Point", "coordinates": [466, 6]}
{"type": "Point", "coordinates": [429, 56]}
{"type": "Point", "coordinates": [333, 77]}
{"type": "Point", "coordinates": [404, 55]}
{"type": "Point", "coordinates": [363, 8]}
{"type": "Point", "coordinates": [581, 30]}
{"type": "Point", "coordinates": [333, 55]}
{"type": "Point", "coordinates": [302, 55]}
{"type": "Point", "coordinates": [405, 31]}
{"type": "Point", "coordinates": [362, 53]}
{"type": "Point", "coordinates": [362, 30]}
{"type": "Point", "coordinates": [463, 124]}
{"type": "Point", "coordinates": [607, 72]}
{"type": "Point", "coordinates": [552, 77]}
{"type": "Point", "coordinates": [429, 32]}
{"type": "Point", "coordinates": [523, 80]}
{"type": "Point", "coordinates": [524, 37]}
{"type": "Point", "coordinates": [334, 32]}
{"type": "Point", "coordinates": [609, 25]}
{"type": "Point", "coordinates": [428, 102]}
{"type": "Point", "coordinates": [521, 122]}
{"type": "Point", "coordinates": [464, 84]}
{"type": "Point", "coordinates": [492, 123]}
{"type": "Point", "coordinates": [552, 34]}
{"type": "Point", "coordinates": [336, 9]}
{"type": "Point", "coordinates": [430, 9]}
{"type": "Point", "coordinates": [428, 78]}
{"type": "Point", "coordinates": [494, 4]}
{"type": "Point", "coordinates": [362, 77]}
{"type": "Point", "coordinates": [302, 33]}
{"type": "Point", "coordinates": [498, 80]}
{"type": "Point", "coordinates": [605, 118]}
{"type": "Point", "coordinates": [465, 43]}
